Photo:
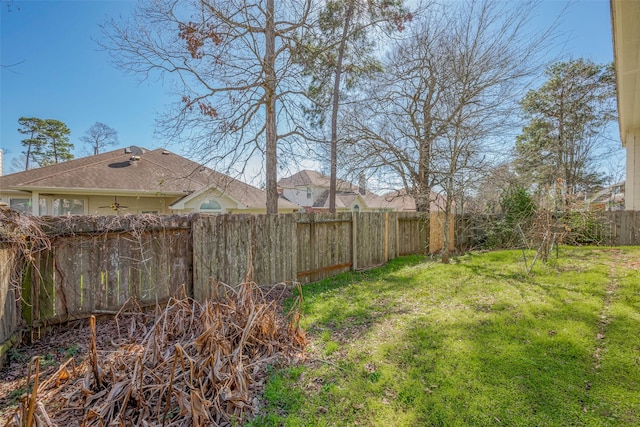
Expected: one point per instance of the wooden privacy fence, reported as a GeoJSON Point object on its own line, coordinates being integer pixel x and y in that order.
{"type": "Point", "coordinates": [621, 228]}
{"type": "Point", "coordinates": [225, 247]}
{"type": "Point", "coordinates": [97, 264]}
{"type": "Point", "coordinates": [299, 247]}
{"type": "Point", "coordinates": [10, 317]}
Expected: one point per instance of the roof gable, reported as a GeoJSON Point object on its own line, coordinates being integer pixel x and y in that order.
{"type": "Point", "coordinates": [309, 178]}
{"type": "Point", "coordinates": [400, 200]}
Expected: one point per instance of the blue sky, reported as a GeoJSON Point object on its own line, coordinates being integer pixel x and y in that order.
{"type": "Point", "coordinates": [53, 68]}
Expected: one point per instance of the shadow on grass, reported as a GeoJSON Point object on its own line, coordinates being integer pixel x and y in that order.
{"type": "Point", "coordinates": [489, 360]}
{"type": "Point", "coordinates": [476, 377]}
{"type": "Point", "coordinates": [353, 305]}
{"type": "Point", "coordinates": [508, 368]}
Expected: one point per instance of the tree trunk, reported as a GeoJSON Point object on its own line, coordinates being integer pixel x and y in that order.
{"type": "Point", "coordinates": [334, 110]}
{"type": "Point", "coordinates": [422, 199]}
{"type": "Point", "coordinates": [445, 253]}
{"type": "Point", "coordinates": [270, 97]}
{"type": "Point", "coordinates": [423, 194]}
{"type": "Point", "coordinates": [26, 166]}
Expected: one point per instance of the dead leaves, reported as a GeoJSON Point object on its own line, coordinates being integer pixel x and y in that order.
{"type": "Point", "coordinates": [197, 364]}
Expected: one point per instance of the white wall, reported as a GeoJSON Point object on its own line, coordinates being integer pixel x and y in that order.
{"type": "Point", "coordinates": [299, 195]}
{"type": "Point", "coordinates": [632, 183]}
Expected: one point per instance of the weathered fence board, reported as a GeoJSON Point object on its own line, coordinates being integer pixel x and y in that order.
{"type": "Point", "coordinates": [413, 233]}
{"type": "Point", "coordinates": [10, 316]}
{"type": "Point", "coordinates": [471, 230]}
{"type": "Point", "coordinates": [436, 233]}
{"type": "Point", "coordinates": [332, 243]}
{"type": "Point", "coordinates": [324, 245]}
{"type": "Point", "coordinates": [372, 239]}
{"type": "Point", "coordinates": [621, 228]}
{"type": "Point", "coordinates": [93, 271]}
{"type": "Point", "coordinates": [226, 247]}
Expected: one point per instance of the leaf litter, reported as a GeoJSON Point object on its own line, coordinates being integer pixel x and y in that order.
{"type": "Point", "coordinates": [187, 364]}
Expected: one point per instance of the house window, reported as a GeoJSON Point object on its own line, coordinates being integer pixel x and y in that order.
{"type": "Point", "coordinates": [22, 205]}
{"type": "Point", "coordinates": [210, 205]}
{"type": "Point", "coordinates": [356, 208]}
{"type": "Point", "coordinates": [67, 207]}
{"type": "Point", "coordinates": [308, 192]}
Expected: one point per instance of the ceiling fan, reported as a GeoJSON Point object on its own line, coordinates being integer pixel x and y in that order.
{"type": "Point", "coordinates": [115, 205]}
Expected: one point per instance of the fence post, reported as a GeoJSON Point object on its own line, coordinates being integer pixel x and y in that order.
{"type": "Point", "coordinates": [313, 253]}
{"type": "Point", "coordinates": [386, 236]}
{"type": "Point", "coordinates": [397, 217]}
{"type": "Point", "coordinates": [354, 240]}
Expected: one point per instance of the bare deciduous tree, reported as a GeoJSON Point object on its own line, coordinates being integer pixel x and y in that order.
{"type": "Point", "coordinates": [448, 94]}
{"type": "Point", "coordinates": [98, 137]}
{"type": "Point", "coordinates": [233, 75]}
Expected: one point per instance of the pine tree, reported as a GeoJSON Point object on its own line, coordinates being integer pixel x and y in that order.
{"type": "Point", "coordinates": [567, 119]}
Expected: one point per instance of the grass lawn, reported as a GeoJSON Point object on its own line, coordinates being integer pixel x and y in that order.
{"type": "Point", "coordinates": [474, 343]}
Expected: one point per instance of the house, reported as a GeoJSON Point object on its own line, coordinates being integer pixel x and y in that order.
{"type": "Point", "coordinates": [625, 16]}
{"type": "Point", "coordinates": [401, 201]}
{"type": "Point", "coordinates": [310, 189]}
{"type": "Point", "coordinates": [156, 181]}
{"type": "Point", "coordinates": [610, 198]}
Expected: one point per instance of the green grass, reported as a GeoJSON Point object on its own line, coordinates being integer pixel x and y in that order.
{"type": "Point", "coordinates": [474, 343]}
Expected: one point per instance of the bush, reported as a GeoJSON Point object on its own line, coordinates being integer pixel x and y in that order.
{"type": "Point", "coordinates": [518, 209]}
{"type": "Point", "coordinates": [518, 206]}
{"type": "Point", "coordinates": [583, 228]}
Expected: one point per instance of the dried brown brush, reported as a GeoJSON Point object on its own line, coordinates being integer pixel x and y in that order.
{"type": "Point", "coordinates": [24, 233]}
{"type": "Point", "coordinates": [199, 364]}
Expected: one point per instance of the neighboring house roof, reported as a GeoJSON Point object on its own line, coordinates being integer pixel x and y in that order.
{"type": "Point", "coordinates": [309, 178]}
{"type": "Point", "coordinates": [612, 193]}
{"type": "Point", "coordinates": [247, 196]}
{"type": "Point", "coordinates": [347, 193]}
{"type": "Point", "coordinates": [158, 172]}
{"type": "Point", "coordinates": [400, 200]}
{"type": "Point", "coordinates": [343, 200]}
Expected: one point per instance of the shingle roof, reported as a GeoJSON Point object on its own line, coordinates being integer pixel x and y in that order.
{"type": "Point", "coordinates": [343, 200]}
{"type": "Point", "coordinates": [157, 172]}
{"type": "Point", "coordinates": [309, 178]}
{"type": "Point", "coordinates": [401, 201]}
{"type": "Point", "coordinates": [346, 193]}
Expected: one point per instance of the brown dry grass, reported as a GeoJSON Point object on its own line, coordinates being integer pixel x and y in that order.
{"type": "Point", "coordinates": [191, 363]}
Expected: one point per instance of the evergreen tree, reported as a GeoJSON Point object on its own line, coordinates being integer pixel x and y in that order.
{"type": "Point", "coordinates": [338, 53]}
{"type": "Point", "coordinates": [34, 142]}
{"type": "Point", "coordinates": [47, 141]}
{"type": "Point", "coordinates": [57, 147]}
{"type": "Point", "coordinates": [568, 117]}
